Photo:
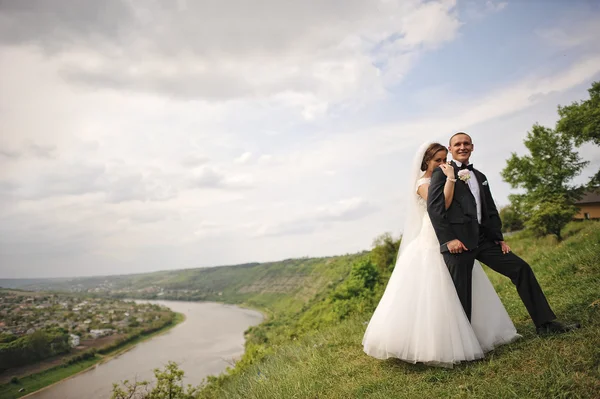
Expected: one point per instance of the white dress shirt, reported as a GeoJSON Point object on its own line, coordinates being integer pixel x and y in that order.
{"type": "Point", "coordinates": [474, 187]}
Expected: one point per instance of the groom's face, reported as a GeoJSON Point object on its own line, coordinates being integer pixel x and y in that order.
{"type": "Point", "coordinates": [461, 148]}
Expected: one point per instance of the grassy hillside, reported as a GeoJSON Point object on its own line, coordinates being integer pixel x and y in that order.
{"type": "Point", "coordinates": [316, 351]}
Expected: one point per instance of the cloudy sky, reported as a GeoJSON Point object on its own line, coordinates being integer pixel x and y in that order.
{"type": "Point", "coordinates": [142, 136]}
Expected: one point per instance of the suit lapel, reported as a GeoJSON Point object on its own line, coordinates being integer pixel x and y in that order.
{"type": "Point", "coordinates": [482, 197]}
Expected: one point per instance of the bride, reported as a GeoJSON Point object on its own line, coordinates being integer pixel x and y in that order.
{"type": "Point", "coordinates": [419, 317]}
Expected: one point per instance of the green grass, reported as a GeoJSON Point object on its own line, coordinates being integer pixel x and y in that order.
{"type": "Point", "coordinates": [328, 361]}
{"type": "Point", "coordinates": [37, 381]}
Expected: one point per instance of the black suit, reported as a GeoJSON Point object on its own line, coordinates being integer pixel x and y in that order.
{"type": "Point", "coordinates": [460, 222]}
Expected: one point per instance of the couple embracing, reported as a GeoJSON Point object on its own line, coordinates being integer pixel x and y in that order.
{"type": "Point", "coordinates": [439, 306]}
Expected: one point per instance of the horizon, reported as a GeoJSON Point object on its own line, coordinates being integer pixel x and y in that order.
{"type": "Point", "coordinates": [176, 270]}
{"type": "Point", "coordinates": [173, 270]}
{"type": "Point", "coordinates": [139, 138]}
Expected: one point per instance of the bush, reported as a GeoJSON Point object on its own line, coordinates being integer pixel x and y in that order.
{"type": "Point", "coordinates": [363, 277]}
{"type": "Point", "coordinates": [169, 384]}
{"type": "Point", "coordinates": [88, 354]}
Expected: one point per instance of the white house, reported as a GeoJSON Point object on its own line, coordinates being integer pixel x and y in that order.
{"type": "Point", "coordinates": [74, 340]}
{"type": "Point", "coordinates": [100, 333]}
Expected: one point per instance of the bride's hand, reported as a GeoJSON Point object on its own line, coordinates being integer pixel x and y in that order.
{"type": "Point", "coordinates": [456, 246]}
{"type": "Point", "coordinates": [448, 170]}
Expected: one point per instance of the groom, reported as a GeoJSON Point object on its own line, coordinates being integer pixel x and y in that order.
{"type": "Point", "coordinates": [471, 229]}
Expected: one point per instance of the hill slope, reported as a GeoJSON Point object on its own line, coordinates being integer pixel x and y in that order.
{"type": "Point", "coordinates": [317, 352]}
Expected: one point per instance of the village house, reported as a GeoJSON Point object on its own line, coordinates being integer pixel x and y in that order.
{"type": "Point", "coordinates": [100, 333]}
{"type": "Point", "coordinates": [74, 340]}
{"type": "Point", "coordinates": [589, 206]}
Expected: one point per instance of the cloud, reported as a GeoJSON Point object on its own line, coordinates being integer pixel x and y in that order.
{"type": "Point", "coordinates": [322, 217]}
{"type": "Point", "coordinates": [193, 160]}
{"type": "Point", "coordinates": [208, 229]}
{"type": "Point", "coordinates": [569, 35]}
{"type": "Point", "coordinates": [10, 154]}
{"type": "Point", "coordinates": [114, 184]}
{"type": "Point", "coordinates": [495, 6]}
{"type": "Point", "coordinates": [42, 151]}
{"type": "Point", "coordinates": [245, 157]}
{"type": "Point", "coordinates": [63, 23]}
{"type": "Point", "coordinates": [148, 215]}
{"type": "Point", "coordinates": [346, 210]}
{"type": "Point", "coordinates": [210, 177]}
{"type": "Point", "coordinates": [32, 150]}
{"type": "Point", "coordinates": [362, 145]}
{"type": "Point", "coordinates": [477, 10]}
{"type": "Point", "coordinates": [137, 187]}
{"type": "Point", "coordinates": [8, 187]}
{"type": "Point", "coordinates": [309, 55]}
{"type": "Point", "coordinates": [286, 228]}
{"type": "Point", "coordinates": [66, 179]}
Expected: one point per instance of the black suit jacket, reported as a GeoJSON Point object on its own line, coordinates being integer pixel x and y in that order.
{"type": "Point", "coordinates": [459, 221]}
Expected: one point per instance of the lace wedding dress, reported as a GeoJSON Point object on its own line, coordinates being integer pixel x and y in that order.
{"type": "Point", "coordinates": [420, 318]}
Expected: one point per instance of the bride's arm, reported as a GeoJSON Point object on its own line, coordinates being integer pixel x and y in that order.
{"type": "Point", "coordinates": [448, 192]}
{"type": "Point", "coordinates": [449, 185]}
{"type": "Point", "coordinates": [423, 190]}
{"type": "Point", "coordinates": [436, 208]}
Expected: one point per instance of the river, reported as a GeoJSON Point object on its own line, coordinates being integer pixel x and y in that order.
{"type": "Point", "coordinates": [206, 343]}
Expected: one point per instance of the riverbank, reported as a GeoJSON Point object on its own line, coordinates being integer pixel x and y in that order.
{"type": "Point", "coordinates": [47, 378]}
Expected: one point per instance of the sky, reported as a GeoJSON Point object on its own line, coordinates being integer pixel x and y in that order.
{"type": "Point", "coordinates": [144, 136]}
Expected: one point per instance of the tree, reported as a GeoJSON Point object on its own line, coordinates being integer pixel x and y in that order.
{"type": "Point", "coordinates": [168, 385]}
{"type": "Point", "coordinates": [384, 252]}
{"type": "Point", "coordinates": [545, 174]}
{"type": "Point", "coordinates": [580, 121]}
{"type": "Point", "coordinates": [512, 220]}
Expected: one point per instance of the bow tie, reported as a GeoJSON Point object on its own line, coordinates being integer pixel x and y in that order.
{"type": "Point", "coordinates": [463, 166]}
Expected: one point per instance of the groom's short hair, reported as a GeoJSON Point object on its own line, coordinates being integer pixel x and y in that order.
{"type": "Point", "coordinates": [456, 134]}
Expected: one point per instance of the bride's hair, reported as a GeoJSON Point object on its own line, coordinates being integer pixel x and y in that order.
{"type": "Point", "coordinates": [430, 153]}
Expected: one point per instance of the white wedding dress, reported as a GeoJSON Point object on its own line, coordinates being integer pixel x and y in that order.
{"type": "Point", "coordinates": [421, 319]}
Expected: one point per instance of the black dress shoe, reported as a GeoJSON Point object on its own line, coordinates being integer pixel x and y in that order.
{"type": "Point", "coordinates": [554, 327]}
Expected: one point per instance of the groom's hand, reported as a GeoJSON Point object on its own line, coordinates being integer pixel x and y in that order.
{"type": "Point", "coordinates": [456, 246]}
{"type": "Point", "coordinates": [504, 246]}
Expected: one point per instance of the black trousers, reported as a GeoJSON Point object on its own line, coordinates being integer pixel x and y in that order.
{"type": "Point", "coordinates": [509, 265]}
